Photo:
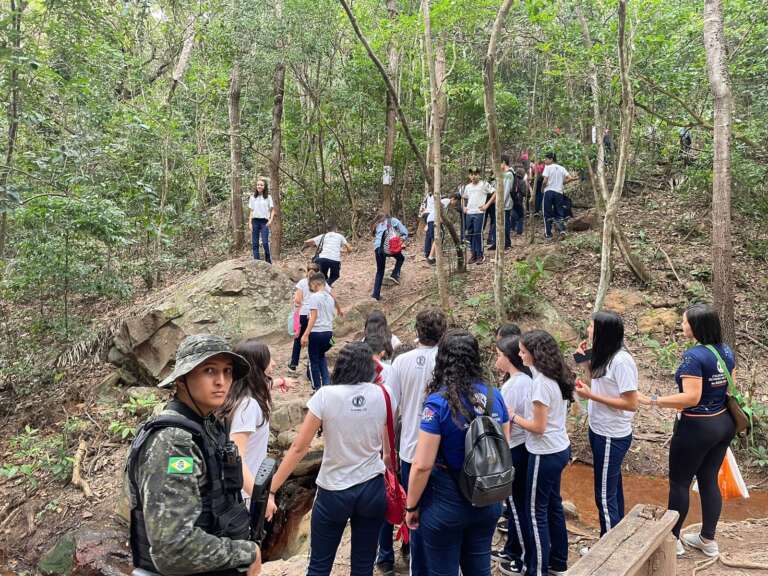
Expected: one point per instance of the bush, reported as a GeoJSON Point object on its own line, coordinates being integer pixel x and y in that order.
{"type": "Point", "coordinates": [521, 291]}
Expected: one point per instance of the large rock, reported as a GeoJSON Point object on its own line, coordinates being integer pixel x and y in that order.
{"type": "Point", "coordinates": [287, 415]}
{"type": "Point", "coordinates": [622, 300]}
{"type": "Point", "coordinates": [551, 321]}
{"type": "Point", "coordinates": [88, 552]}
{"type": "Point", "coordinates": [582, 222]}
{"type": "Point", "coordinates": [237, 299]}
{"type": "Point", "coordinates": [658, 321]}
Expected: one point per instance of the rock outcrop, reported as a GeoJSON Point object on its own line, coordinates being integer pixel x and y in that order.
{"type": "Point", "coordinates": [236, 299]}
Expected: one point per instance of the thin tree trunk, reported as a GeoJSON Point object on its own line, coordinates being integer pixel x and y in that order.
{"type": "Point", "coordinates": [406, 128]}
{"type": "Point", "coordinates": [13, 112]}
{"type": "Point", "coordinates": [717, 68]}
{"type": "Point", "coordinates": [434, 89]}
{"type": "Point", "coordinates": [607, 202]}
{"type": "Point", "coordinates": [277, 146]}
{"type": "Point", "coordinates": [183, 61]}
{"type": "Point", "coordinates": [389, 144]}
{"type": "Point", "coordinates": [489, 76]}
{"type": "Point", "coordinates": [236, 159]}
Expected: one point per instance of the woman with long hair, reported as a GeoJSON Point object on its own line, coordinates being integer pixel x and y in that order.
{"type": "Point", "coordinates": [350, 484]}
{"type": "Point", "coordinates": [453, 533]}
{"type": "Point", "coordinates": [612, 398]}
{"type": "Point", "coordinates": [248, 406]}
{"type": "Point", "coordinates": [516, 392]}
{"type": "Point", "coordinates": [550, 450]}
{"type": "Point", "coordinates": [704, 427]}
{"type": "Point", "coordinates": [262, 213]}
{"type": "Point", "coordinates": [382, 226]}
{"type": "Point", "coordinates": [376, 325]}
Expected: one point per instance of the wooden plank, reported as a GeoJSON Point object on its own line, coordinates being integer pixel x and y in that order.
{"type": "Point", "coordinates": [663, 562]}
{"type": "Point", "coordinates": [624, 550]}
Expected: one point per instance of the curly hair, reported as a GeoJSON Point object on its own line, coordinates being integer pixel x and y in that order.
{"type": "Point", "coordinates": [548, 360]}
{"type": "Point", "coordinates": [256, 384]}
{"type": "Point", "coordinates": [457, 368]}
{"type": "Point", "coordinates": [354, 365]}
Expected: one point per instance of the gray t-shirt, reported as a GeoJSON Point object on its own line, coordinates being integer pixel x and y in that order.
{"type": "Point", "coordinates": [509, 183]}
{"type": "Point", "coordinates": [354, 419]}
{"type": "Point", "coordinates": [323, 303]}
{"type": "Point", "coordinates": [555, 438]}
{"type": "Point", "coordinates": [408, 378]}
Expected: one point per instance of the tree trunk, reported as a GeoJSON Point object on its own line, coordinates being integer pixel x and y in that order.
{"type": "Point", "coordinates": [720, 84]}
{"type": "Point", "coordinates": [610, 198]}
{"type": "Point", "coordinates": [489, 76]}
{"type": "Point", "coordinates": [434, 90]}
{"type": "Point", "coordinates": [236, 159]}
{"type": "Point", "coordinates": [460, 264]}
{"type": "Point", "coordinates": [183, 61]}
{"type": "Point", "coordinates": [277, 145]}
{"type": "Point", "coordinates": [388, 180]}
{"type": "Point", "coordinates": [13, 112]}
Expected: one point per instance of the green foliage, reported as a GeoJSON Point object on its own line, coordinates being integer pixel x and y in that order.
{"type": "Point", "coordinates": [521, 290]}
{"type": "Point", "coordinates": [584, 242]}
{"type": "Point", "coordinates": [35, 456]}
{"type": "Point", "coordinates": [136, 406]}
{"type": "Point", "coordinates": [121, 430]}
{"type": "Point", "coordinates": [666, 355]}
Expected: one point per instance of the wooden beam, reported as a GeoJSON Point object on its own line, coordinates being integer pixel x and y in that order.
{"type": "Point", "coordinates": [626, 549]}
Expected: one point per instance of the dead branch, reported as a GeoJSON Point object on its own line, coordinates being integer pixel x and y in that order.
{"type": "Point", "coordinates": [411, 305]}
{"type": "Point", "coordinates": [78, 480]}
{"type": "Point", "coordinates": [753, 340]}
{"type": "Point", "coordinates": [671, 266]}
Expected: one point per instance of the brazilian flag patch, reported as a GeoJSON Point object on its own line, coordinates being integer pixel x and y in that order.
{"type": "Point", "coordinates": [180, 465]}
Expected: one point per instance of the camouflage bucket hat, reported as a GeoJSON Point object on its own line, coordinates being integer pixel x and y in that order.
{"type": "Point", "coordinates": [194, 350]}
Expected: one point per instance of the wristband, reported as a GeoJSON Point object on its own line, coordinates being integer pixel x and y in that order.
{"type": "Point", "coordinates": [412, 509]}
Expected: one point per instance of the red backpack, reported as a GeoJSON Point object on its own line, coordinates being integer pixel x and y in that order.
{"type": "Point", "coordinates": [392, 243]}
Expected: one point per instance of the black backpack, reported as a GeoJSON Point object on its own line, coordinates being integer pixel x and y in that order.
{"type": "Point", "coordinates": [487, 472]}
{"type": "Point", "coordinates": [518, 191]}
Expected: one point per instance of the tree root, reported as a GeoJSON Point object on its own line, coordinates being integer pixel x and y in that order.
{"type": "Point", "coordinates": [408, 307]}
{"type": "Point", "coordinates": [77, 479]}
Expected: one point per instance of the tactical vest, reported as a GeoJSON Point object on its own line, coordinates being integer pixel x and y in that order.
{"type": "Point", "coordinates": [223, 512]}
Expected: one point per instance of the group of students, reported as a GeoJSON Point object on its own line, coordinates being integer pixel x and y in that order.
{"type": "Point", "coordinates": [437, 386]}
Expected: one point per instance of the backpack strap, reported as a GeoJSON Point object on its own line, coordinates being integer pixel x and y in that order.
{"type": "Point", "coordinates": [319, 247]}
{"type": "Point", "coordinates": [724, 368]}
{"type": "Point", "coordinates": [390, 431]}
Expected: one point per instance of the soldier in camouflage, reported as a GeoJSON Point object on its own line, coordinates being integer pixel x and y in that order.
{"type": "Point", "coordinates": [184, 475]}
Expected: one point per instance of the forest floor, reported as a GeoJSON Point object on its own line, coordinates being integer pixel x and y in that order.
{"type": "Point", "coordinates": [668, 233]}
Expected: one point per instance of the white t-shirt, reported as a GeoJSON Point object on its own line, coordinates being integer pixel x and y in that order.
{"type": "Point", "coordinates": [332, 243]}
{"type": "Point", "coordinates": [517, 396]}
{"type": "Point", "coordinates": [303, 285]}
{"type": "Point", "coordinates": [260, 206]}
{"type": "Point", "coordinates": [430, 207]}
{"type": "Point", "coordinates": [354, 418]}
{"type": "Point", "coordinates": [408, 378]}
{"type": "Point", "coordinates": [556, 175]}
{"type": "Point", "coordinates": [326, 309]}
{"type": "Point", "coordinates": [555, 438]}
{"type": "Point", "coordinates": [248, 417]}
{"type": "Point", "coordinates": [620, 376]}
{"type": "Point", "coordinates": [476, 195]}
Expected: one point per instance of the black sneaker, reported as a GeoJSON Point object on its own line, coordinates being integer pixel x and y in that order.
{"type": "Point", "coordinates": [292, 367]}
{"type": "Point", "coordinates": [395, 280]}
{"type": "Point", "coordinates": [500, 555]}
{"type": "Point", "coordinates": [509, 568]}
{"type": "Point", "coordinates": [386, 568]}
{"type": "Point", "coordinates": [480, 260]}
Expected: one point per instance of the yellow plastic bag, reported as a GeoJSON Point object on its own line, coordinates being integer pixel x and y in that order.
{"type": "Point", "coordinates": [729, 479]}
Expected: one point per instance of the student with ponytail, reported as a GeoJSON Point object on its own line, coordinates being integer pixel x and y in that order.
{"type": "Point", "coordinates": [550, 450]}
{"type": "Point", "coordinates": [612, 403]}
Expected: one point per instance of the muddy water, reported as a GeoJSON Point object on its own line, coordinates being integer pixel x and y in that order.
{"type": "Point", "coordinates": [578, 482]}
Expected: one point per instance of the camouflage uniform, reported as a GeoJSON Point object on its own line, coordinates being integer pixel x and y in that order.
{"type": "Point", "coordinates": [170, 475]}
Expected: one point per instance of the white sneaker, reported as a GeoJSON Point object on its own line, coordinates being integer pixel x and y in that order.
{"type": "Point", "coordinates": [558, 573]}
{"type": "Point", "coordinates": [680, 548]}
{"type": "Point", "coordinates": [709, 548]}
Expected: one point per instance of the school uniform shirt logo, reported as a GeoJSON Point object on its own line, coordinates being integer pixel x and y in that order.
{"type": "Point", "coordinates": [358, 401]}
{"type": "Point", "coordinates": [421, 361]}
{"type": "Point", "coordinates": [427, 415]}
